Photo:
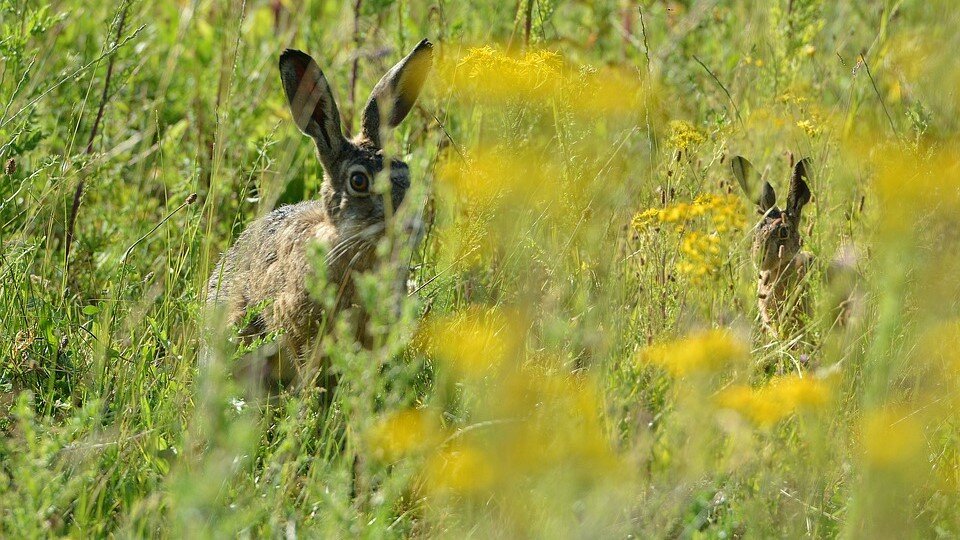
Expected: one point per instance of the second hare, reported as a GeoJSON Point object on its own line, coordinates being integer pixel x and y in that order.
{"type": "Point", "coordinates": [263, 281]}
{"type": "Point", "coordinates": [781, 263]}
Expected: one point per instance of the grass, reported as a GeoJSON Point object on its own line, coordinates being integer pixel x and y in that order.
{"type": "Point", "coordinates": [578, 352]}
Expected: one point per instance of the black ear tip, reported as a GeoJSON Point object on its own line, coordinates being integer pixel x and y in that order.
{"type": "Point", "coordinates": [424, 48]}
{"type": "Point", "coordinates": [295, 55]}
{"type": "Point", "coordinates": [801, 171]}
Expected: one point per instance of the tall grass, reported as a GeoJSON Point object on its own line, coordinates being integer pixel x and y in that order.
{"type": "Point", "coordinates": [576, 352]}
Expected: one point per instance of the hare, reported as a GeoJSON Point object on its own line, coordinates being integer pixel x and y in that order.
{"type": "Point", "coordinates": [776, 249]}
{"type": "Point", "coordinates": [263, 280]}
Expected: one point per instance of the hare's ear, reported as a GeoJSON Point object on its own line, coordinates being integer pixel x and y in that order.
{"type": "Point", "coordinates": [768, 198]}
{"type": "Point", "coordinates": [799, 190]}
{"type": "Point", "coordinates": [394, 96]}
{"type": "Point", "coordinates": [749, 180]}
{"type": "Point", "coordinates": [746, 176]}
{"type": "Point", "coordinates": [311, 102]}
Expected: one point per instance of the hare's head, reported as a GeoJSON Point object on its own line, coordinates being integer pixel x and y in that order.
{"type": "Point", "coordinates": [778, 233]}
{"type": "Point", "coordinates": [361, 184]}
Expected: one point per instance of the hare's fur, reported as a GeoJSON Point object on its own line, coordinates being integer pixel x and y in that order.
{"type": "Point", "coordinates": [264, 280]}
{"type": "Point", "coordinates": [781, 263]}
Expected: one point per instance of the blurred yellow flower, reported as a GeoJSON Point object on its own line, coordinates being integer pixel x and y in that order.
{"type": "Point", "coordinates": [460, 469]}
{"type": "Point", "coordinates": [493, 175]}
{"type": "Point", "coordinates": [702, 253]}
{"type": "Point", "coordinates": [913, 186]}
{"type": "Point", "coordinates": [552, 425]}
{"type": "Point", "coordinates": [940, 346]}
{"type": "Point", "coordinates": [891, 438]}
{"type": "Point", "coordinates": [473, 343]}
{"type": "Point", "coordinates": [539, 78]}
{"type": "Point", "coordinates": [780, 398]}
{"type": "Point", "coordinates": [403, 433]}
{"type": "Point", "coordinates": [792, 98]}
{"type": "Point", "coordinates": [504, 76]}
{"type": "Point", "coordinates": [702, 352]}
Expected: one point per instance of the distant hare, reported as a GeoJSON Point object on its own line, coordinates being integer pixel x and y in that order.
{"type": "Point", "coordinates": [776, 248]}
{"type": "Point", "coordinates": [269, 268]}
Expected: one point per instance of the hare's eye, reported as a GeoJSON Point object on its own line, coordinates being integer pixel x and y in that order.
{"type": "Point", "coordinates": [359, 183]}
{"type": "Point", "coordinates": [783, 233]}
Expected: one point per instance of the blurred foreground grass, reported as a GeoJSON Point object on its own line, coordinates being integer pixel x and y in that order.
{"type": "Point", "coordinates": [579, 354]}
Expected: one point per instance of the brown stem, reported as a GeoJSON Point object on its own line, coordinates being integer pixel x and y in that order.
{"type": "Point", "coordinates": [527, 23]}
{"type": "Point", "coordinates": [78, 194]}
{"type": "Point", "coordinates": [356, 63]}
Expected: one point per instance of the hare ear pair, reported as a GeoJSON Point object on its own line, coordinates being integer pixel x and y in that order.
{"type": "Point", "coordinates": [315, 110]}
{"type": "Point", "coordinates": [748, 178]}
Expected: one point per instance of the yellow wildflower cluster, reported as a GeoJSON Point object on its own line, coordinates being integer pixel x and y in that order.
{"type": "Point", "coordinates": [541, 77]}
{"type": "Point", "coordinates": [724, 212]}
{"type": "Point", "coordinates": [792, 98]}
{"type": "Point", "coordinates": [702, 252]}
{"type": "Point", "coordinates": [684, 136]}
{"type": "Point", "coordinates": [812, 126]}
{"type": "Point", "coordinates": [793, 112]}
{"type": "Point", "coordinates": [535, 69]}
{"type": "Point", "coordinates": [703, 352]}
{"type": "Point", "coordinates": [780, 398]}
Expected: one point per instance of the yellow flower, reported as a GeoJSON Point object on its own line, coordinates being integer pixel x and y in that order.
{"type": "Point", "coordinates": [493, 176]}
{"type": "Point", "coordinates": [791, 98]}
{"type": "Point", "coordinates": [541, 77]}
{"type": "Point", "coordinates": [940, 346]}
{"type": "Point", "coordinates": [725, 213]}
{"type": "Point", "coordinates": [645, 218]}
{"type": "Point", "coordinates": [703, 253]}
{"type": "Point", "coordinates": [683, 135]}
{"type": "Point", "coordinates": [459, 469]}
{"type": "Point", "coordinates": [914, 186]}
{"type": "Point", "coordinates": [472, 343]}
{"type": "Point", "coordinates": [403, 433]}
{"type": "Point", "coordinates": [811, 126]}
{"type": "Point", "coordinates": [891, 438]}
{"type": "Point", "coordinates": [705, 351]}
{"type": "Point", "coordinates": [782, 397]}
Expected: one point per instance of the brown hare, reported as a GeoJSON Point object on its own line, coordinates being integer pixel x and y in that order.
{"type": "Point", "coordinates": [777, 247]}
{"type": "Point", "coordinates": [263, 281]}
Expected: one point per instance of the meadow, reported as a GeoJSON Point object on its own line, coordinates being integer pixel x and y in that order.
{"type": "Point", "coordinates": [577, 349]}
